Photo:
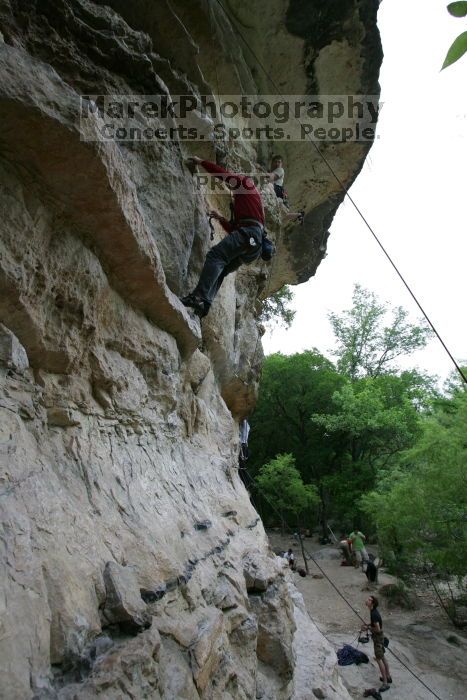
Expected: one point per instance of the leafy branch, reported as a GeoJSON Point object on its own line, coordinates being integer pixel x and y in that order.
{"type": "Point", "coordinates": [459, 45]}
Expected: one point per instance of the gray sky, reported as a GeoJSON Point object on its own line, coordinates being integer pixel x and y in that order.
{"type": "Point", "coordinates": [412, 190]}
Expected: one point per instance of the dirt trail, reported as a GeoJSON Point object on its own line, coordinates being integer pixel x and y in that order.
{"type": "Point", "coordinates": [418, 637]}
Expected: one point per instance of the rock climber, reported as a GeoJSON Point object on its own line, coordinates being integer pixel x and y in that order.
{"type": "Point", "coordinates": [242, 245]}
{"type": "Point", "coordinates": [244, 452]}
{"type": "Point", "coordinates": [276, 176]}
{"type": "Point", "coordinates": [376, 629]}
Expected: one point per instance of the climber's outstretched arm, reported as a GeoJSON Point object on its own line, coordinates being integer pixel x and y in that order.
{"type": "Point", "coordinates": [226, 225]}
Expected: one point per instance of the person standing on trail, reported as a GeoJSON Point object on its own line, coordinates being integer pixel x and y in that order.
{"type": "Point", "coordinates": [357, 539]}
{"type": "Point", "coordinates": [289, 555]}
{"type": "Point", "coordinates": [377, 635]}
{"type": "Point", "coordinates": [345, 548]}
{"type": "Point", "coordinates": [242, 245]}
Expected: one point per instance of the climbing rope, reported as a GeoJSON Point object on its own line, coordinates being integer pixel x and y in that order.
{"type": "Point", "coordinates": [216, 67]}
{"type": "Point", "coordinates": [346, 193]}
{"type": "Point", "coordinates": [266, 292]}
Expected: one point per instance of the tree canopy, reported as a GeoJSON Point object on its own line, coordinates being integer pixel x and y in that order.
{"type": "Point", "coordinates": [420, 507]}
{"type": "Point", "coordinates": [370, 337]}
{"type": "Point", "coordinates": [365, 442]}
{"type": "Point", "coordinates": [275, 309]}
{"type": "Point", "coordinates": [344, 424]}
{"type": "Point", "coordinates": [281, 481]}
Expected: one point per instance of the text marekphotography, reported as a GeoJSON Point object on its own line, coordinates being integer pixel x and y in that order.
{"type": "Point", "coordinates": [336, 118]}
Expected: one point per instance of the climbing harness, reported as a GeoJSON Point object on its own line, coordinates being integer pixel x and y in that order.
{"type": "Point", "coordinates": [364, 638]}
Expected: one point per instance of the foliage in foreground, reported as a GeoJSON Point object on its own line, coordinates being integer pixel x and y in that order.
{"type": "Point", "coordinates": [280, 480]}
{"type": "Point", "coordinates": [459, 46]}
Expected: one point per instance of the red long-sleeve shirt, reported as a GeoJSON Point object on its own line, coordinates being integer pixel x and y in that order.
{"type": "Point", "coordinates": [246, 198]}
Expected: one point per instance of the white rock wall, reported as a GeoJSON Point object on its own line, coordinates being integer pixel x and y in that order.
{"type": "Point", "coordinates": [133, 563]}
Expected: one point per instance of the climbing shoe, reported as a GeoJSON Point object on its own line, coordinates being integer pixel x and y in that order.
{"type": "Point", "coordinates": [198, 305]}
{"type": "Point", "coordinates": [301, 217]}
{"type": "Point", "coordinates": [201, 310]}
{"type": "Point", "coordinates": [384, 687]}
{"type": "Point", "coordinates": [389, 679]}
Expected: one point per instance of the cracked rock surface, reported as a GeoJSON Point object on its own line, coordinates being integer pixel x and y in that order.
{"type": "Point", "coordinates": [133, 564]}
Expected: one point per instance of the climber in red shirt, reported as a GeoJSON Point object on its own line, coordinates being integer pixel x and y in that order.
{"type": "Point", "coordinates": [242, 245]}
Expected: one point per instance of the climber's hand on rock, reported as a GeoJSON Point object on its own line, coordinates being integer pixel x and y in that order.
{"type": "Point", "coordinates": [193, 160]}
{"type": "Point", "coordinates": [215, 215]}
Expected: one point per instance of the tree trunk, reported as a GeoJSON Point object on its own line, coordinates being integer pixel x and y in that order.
{"type": "Point", "coordinates": [323, 515]}
{"type": "Point", "coordinates": [282, 525]}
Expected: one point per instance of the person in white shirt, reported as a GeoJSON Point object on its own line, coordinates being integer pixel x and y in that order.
{"type": "Point", "coordinates": [289, 555]}
{"type": "Point", "coordinates": [276, 176]}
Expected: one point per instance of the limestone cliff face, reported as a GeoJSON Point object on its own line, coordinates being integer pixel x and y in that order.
{"type": "Point", "coordinates": [133, 564]}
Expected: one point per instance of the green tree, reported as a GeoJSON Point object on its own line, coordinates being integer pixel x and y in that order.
{"type": "Point", "coordinates": [420, 509]}
{"type": "Point", "coordinates": [373, 420]}
{"type": "Point", "coordinates": [455, 384]}
{"type": "Point", "coordinates": [275, 309]}
{"type": "Point", "coordinates": [368, 341]}
{"type": "Point", "coordinates": [339, 432]}
{"type": "Point", "coordinates": [292, 388]}
{"type": "Point", "coordinates": [280, 481]}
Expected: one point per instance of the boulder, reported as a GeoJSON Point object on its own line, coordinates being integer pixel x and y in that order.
{"type": "Point", "coordinates": [12, 354]}
{"type": "Point", "coordinates": [206, 649]}
{"type": "Point", "coordinates": [123, 603]}
{"type": "Point", "coordinates": [126, 670]}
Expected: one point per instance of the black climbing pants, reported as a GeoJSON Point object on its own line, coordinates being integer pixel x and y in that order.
{"type": "Point", "coordinates": [241, 246]}
{"type": "Point", "coordinates": [279, 190]}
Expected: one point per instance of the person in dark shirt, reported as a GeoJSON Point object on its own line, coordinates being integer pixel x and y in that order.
{"type": "Point", "coordinates": [376, 628]}
{"type": "Point", "coordinates": [243, 245]}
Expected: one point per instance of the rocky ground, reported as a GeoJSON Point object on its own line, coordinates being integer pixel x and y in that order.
{"type": "Point", "coordinates": [418, 637]}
